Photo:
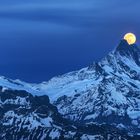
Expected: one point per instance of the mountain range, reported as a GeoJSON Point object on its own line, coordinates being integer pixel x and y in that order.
{"type": "Point", "coordinates": [101, 101]}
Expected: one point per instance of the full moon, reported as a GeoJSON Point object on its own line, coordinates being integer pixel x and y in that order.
{"type": "Point", "coordinates": [130, 38]}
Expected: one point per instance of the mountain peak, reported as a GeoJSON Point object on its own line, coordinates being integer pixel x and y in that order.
{"type": "Point", "coordinates": [131, 51]}
{"type": "Point", "coordinates": [124, 46]}
{"type": "Point", "coordinates": [107, 92]}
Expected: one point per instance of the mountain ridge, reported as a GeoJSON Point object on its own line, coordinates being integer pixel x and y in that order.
{"type": "Point", "coordinates": [106, 92]}
{"type": "Point", "coordinates": [27, 117]}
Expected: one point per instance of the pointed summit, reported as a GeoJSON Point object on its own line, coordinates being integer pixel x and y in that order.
{"type": "Point", "coordinates": [127, 44]}
{"type": "Point", "coordinates": [132, 51]}
{"type": "Point", "coordinates": [124, 46]}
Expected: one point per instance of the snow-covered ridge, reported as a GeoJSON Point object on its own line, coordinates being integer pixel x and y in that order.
{"type": "Point", "coordinates": [106, 92]}
{"type": "Point", "coordinates": [120, 62]}
{"type": "Point", "coordinates": [57, 86]}
{"type": "Point", "coordinates": [17, 85]}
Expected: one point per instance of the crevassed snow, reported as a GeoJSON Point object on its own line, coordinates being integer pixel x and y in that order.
{"type": "Point", "coordinates": [133, 114]}
{"type": "Point", "coordinates": [69, 89]}
{"type": "Point", "coordinates": [92, 116]}
{"type": "Point", "coordinates": [91, 137]}
{"type": "Point", "coordinates": [47, 121]}
{"type": "Point", "coordinates": [54, 134]}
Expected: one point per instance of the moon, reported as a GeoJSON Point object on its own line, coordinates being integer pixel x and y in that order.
{"type": "Point", "coordinates": [130, 38]}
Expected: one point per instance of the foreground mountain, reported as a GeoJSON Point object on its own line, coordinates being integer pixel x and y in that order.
{"type": "Point", "coordinates": [104, 95]}
{"type": "Point", "coordinates": [27, 117]}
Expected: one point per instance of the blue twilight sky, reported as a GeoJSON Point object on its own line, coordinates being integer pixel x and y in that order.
{"type": "Point", "coordinates": [40, 39]}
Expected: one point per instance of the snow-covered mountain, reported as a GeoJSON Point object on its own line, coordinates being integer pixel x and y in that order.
{"type": "Point", "coordinates": [104, 93]}
{"type": "Point", "coordinates": [110, 93]}
{"type": "Point", "coordinates": [27, 117]}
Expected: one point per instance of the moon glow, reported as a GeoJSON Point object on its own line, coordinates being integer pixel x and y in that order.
{"type": "Point", "coordinates": [130, 38]}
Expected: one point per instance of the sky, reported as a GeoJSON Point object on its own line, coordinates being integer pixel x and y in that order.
{"type": "Point", "coordinates": [40, 39]}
